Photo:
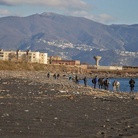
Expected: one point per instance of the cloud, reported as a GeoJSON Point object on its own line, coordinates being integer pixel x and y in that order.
{"type": "Point", "coordinates": [4, 12]}
{"type": "Point", "coordinates": [69, 7]}
{"type": "Point", "coordinates": [74, 4]}
{"type": "Point", "coordinates": [101, 18]}
{"type": "Point", "coordinates": [104, 18]}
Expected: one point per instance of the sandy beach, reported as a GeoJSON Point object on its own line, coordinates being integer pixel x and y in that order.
{"type": "Point", "coordinates": [33, 106]}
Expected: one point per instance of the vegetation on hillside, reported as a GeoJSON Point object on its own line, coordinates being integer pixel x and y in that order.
{"type": "Point", "coordinates": [21, 66]}
{"type": "Point", "coordinates": [26, 66]}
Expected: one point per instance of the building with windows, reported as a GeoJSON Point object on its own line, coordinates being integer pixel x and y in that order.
{"type": "Point", "coordinates": [6, 55]}
{"type": "Point", "coordinates": [43, 58]}
{"type": "Point", "coordinates": [25, 56]}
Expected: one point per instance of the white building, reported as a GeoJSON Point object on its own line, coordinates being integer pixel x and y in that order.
{"type": "Point", "coordinates": [5, 55]}
{"type": "Point", "coordinates": [110, 67]}
{"type": "Point", "coordinates": [33, 57]}
{"type": "Point", "coordinates": [43, 58]}
{"type": "Point", "coordinates": [26, 56]}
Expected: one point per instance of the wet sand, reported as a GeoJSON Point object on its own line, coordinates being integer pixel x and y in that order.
{"type": "Point", "coordinates": [33, 106]}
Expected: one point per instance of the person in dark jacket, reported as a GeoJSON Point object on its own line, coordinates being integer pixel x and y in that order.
{"type": "Point", "coordinates": [106, 84]}
{"type": "Point", "coordinates": [94, 81]}
{"type": "Point", "coordinates": [85, 81]}
{"type": "Point", "coordinates": [101, 82]}
{"type": "Point", "coordinates": [76, 79]}
{"type": "Point", "coordinates": [48, 75]}
{"type": "Point", "coordinates": [132, 85]}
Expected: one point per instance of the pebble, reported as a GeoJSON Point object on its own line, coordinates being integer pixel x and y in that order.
{"type": "Point", "coordinates": [63, 85]}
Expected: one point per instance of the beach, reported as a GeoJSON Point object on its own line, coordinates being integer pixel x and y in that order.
{"type": "Point", "coordinates": [33, 106]}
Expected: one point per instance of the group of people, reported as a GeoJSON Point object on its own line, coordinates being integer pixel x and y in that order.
{"type": "Point", "coordinates": [103, 83]}
{"type": "Point", "coordinates": [55, 76]}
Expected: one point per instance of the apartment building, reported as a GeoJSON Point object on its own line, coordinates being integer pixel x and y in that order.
{"type": "Point", "coordinates": [26, 56]}
{"type": "Point", "coordinates": [43, 58]}
{"type": "Point", "coordinates": [6, 55]}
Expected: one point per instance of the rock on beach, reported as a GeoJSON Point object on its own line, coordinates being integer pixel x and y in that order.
{"type": "Point", "coordinates": [35, 106]}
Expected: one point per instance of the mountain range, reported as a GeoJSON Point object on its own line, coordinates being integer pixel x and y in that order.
{"type": "Point", "coordinates": [71, 37]}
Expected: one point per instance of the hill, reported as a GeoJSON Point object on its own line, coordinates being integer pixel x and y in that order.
{"type": "Point", "coordinates": [71, 38]}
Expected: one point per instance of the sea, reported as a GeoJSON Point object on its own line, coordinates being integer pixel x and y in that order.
{"type": "Point", "coordinates": [124, 84]}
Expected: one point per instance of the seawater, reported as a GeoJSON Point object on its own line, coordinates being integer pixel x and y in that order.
{"type": "Point", "coordinates": [124, 84]}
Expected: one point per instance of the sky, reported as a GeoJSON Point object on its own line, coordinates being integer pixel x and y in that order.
{"type": "Point", "coordinates": [103, 11]}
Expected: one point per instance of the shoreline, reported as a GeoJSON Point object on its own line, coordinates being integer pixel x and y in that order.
{"type": "Point", "coordinates": [65, 86]}
{"type": "Point", "coordinates": [33, 106]}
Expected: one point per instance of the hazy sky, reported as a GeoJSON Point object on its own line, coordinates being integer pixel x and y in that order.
{"type": "Point", "coordinates": [104, 11]}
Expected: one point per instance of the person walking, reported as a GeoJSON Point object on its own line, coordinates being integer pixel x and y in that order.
{"type": "Point", "coordinates": [106, 84]}
{"type": "Point", "coordinates": [58, 75]}
{"type": "Point", "coordinates": [117, 86]}
{"type": "Point", "coordinates": [94, 81]}
{"type": "Point", "coordinates": [70, 78]}
{"type": "Point", "coordinates": [76, 79]}
{"type": "Point", "coordinates": [132, 85]}
{"type": "Point", "coordinates": [100, 82]}
{"type": "Point", "coordinates": [114, 85]}
{"type": "Point", "coordinates": [55, 76]}
{"type": "Point", "coordinates": [48, 75]}
{"type": "Point", "coordinates": [85, 81]}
